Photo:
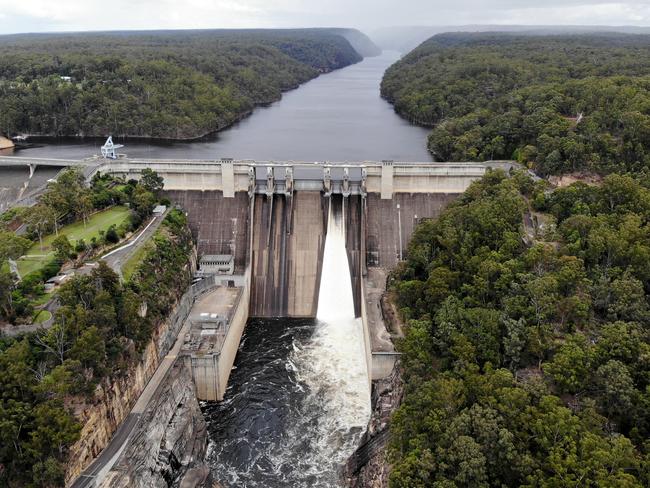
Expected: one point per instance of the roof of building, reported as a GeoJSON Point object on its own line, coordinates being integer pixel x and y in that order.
{"type": "Point", "coordinates": [216, 257]}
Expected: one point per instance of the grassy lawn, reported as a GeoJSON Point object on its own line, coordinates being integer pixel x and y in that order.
{"type": "Point", "coordinates": [131, 264]}
{"type": "Point", "coordinates": [42, 316]}
{"type": "Point", "coordinates": [36, 256]}
{"type": "Point", "coordinates": [42, 300]}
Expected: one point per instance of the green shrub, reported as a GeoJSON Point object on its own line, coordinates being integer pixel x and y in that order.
{"type": "Point", "coordinates": [112, 236]}
{"type": "Point", "coordinates": [80, 246]}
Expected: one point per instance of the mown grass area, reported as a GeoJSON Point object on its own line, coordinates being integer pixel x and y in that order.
{"type": "Point", "coordinates": [132, 263]}
{"type": "Point", "coordinates": [42, 316]}
{"type": "Point", "coordinates": [36, 256]}
{"type": "Point", "coordinates": [41, 300]}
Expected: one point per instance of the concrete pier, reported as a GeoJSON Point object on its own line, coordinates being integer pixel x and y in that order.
{"type": "Point", "coordinates": [354, 214]}
{"type": "Point", "coordinates": [217, 322]}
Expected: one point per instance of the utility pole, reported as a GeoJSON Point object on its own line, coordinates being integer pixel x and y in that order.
{"type": "Point", "coordinates": [399, 225]}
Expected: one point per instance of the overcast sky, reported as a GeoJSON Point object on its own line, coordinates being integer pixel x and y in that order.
{"type": "Point", "coordinates": [65, 15]}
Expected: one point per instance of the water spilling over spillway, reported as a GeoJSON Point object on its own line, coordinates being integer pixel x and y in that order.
{"type": "Point", "coordinates": [298, 400]}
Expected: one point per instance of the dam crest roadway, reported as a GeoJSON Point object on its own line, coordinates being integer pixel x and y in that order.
{"type": "Point", "coordinates": [230, 176]}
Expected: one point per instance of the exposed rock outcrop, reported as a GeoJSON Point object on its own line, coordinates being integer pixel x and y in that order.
{"type": "Point", "coordinates": [111, 404]}
{"type": "Point", "coordinates": [368, 467]}
{"type": "Point", "coordinates": [169, 444]}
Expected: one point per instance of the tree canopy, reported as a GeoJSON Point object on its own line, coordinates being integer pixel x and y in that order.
{"type": "Point", "coordinates": [526, 352]}
{"type": "Point", "coordinates": [161, 84]}
{"type": "Point", "coordinates": [99, 331]}
{"type": "Point", "coordinates": [557, 102]}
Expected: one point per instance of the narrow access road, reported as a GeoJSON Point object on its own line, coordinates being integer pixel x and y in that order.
{"type": "Point", "coordinates": [115, 259]}
{"type": "Point", "coordinates": [118, 257]}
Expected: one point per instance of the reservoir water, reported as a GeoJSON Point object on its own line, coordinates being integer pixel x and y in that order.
{"type": "Point", "coordinates": [336, 117]}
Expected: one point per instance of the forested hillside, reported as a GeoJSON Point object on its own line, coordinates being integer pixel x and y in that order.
{"type": "Point", "coordinates": [162, 84]}
{"type": "Point", "coordinates": [98, 334]}
{"type": "Point", "coordinates": [527, 352]}
{"type": "Point", "coordinates": [559, 103]}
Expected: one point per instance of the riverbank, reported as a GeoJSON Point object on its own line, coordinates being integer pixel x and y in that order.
{"type": "Point", "coordinates": [6, 143]}
{"type": "Point", "coordinates": [369, 465]}
{"type": "Point", "coordinates": [342, 106]}
{"type": "Point", "coordinates": [162, 85]}
{"type": "Point", "coordinates": [41, 138]}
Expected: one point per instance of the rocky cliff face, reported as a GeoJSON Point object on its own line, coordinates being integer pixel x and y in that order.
{"type": "Point", "coordinates": [168, 446]}
{"type": "Point", "coordinates": [368, 467]}
{"type": "Point", "coordinates": [115, 397]}
{"type": "Point", "coordinates": [112, 402]}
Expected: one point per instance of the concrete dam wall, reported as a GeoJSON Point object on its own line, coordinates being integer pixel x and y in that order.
{"type": "Point", "coordinates": [354, 215]}
{"type": "Point", "coordinates": [219, 225]}
{"type": "Point", "coordinates": [287, 249]}
{"type": "Point", "coordinates": [288, 235]}
{"type": "Point", "coordinates": [389, 219]}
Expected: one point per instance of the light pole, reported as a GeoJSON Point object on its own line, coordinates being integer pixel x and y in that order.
{"type": "Point", "coordinates": [399, 225]}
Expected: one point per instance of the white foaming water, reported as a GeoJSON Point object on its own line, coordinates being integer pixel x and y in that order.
{"type": "Point", "coordinates": [335, 299]}
{"type": "Point", "coordinates": [332, 365]}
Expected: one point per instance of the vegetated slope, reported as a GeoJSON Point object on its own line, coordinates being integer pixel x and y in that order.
{"type": "Point", "coordinates": [98, 336]}
{"type": "Point", "coordinates": [360, 42]}
{"type": "Point", "coordinates": [405, 38]}
{"type": "Point", "coordinates": [162, 84]}
{"type": "Point", "coordinates": [526, 354]}
{"type": "Point", "coordinates": [560, 103]}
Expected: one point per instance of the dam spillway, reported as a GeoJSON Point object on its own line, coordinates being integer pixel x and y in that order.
{"type": "Point", "coordinates": [298, 400]}
{"type": "Point", "coordinates": [261, 236]}
{"type": "Point", "coordinates": [288, 241]}
{"type": "Point", "coordinates": [265, 225]}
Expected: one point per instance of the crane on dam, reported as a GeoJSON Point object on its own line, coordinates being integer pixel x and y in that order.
{"type": "Point", "coordinates": [108, 149]}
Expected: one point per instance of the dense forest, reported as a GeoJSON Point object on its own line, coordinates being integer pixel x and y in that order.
{"type": "Point", "coordinates": [558, 103]}
{"type": "Point", "coordinates": [161, 84]}
{"type": "Point", "coordinates": [98, 332]}
{"type": "Point", "coordinates": [527, 350]}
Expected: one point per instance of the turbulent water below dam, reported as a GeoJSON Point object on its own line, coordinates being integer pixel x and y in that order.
{"type": "Point", "coordinates": [298, 400]}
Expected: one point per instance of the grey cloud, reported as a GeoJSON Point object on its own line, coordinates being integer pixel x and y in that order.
{"type": "Point", "coordinates": [41, 15]}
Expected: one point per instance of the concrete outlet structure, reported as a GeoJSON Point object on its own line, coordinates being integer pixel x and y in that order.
{"type": "Point", "coordinates": [217, 322]}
